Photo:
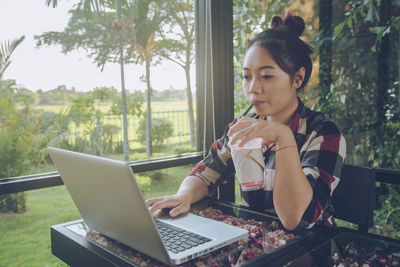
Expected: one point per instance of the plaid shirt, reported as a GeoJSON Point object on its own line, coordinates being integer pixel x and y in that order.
{"type": "Point", "coordinates": [322, 150]}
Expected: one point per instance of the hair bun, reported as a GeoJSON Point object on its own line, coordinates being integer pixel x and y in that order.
{"type": "Point", "coordinates": [295, 24]}
{"type": "Point", "coordinates": [276, 22]}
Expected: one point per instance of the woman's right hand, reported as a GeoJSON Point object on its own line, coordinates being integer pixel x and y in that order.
{"type": "Point", "coordinates": [178, 204]}
{"type": "Point", "coordinates": [191, 190]}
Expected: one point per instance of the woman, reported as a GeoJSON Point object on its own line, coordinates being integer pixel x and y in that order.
{"type": "Point", "coordinates": [303, 151]}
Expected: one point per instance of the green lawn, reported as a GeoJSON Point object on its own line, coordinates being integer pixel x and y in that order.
{"type": "Point", "coordinates": [25, 238]}
{"type": "Point", "coordinates": [155, 106]}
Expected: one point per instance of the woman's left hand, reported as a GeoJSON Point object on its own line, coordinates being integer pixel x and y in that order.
{"type": "Point", "coordinates": [247, 129]}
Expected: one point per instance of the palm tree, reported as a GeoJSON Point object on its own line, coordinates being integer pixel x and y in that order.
{"type": "Point", "coordinates": [145, 54]}
{"type": "Point", "coordinates": [89, 5]}
{"type": "Point", "coordinates": [123, 91]}
{"type": "Point", "coordinates": [146, 16]}
{"type": "Point", "coordinates": [6, 50]}
{"type": "Point", "coordinates": [97, 5]}
{"type": "Point", "coordinates": [15, 202]}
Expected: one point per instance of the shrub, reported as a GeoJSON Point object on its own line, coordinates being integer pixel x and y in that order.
{"type": "Point", "coordinates": [119, 147]}
{"type": "Point", "coordinates": [156, 175]}
{"type": "Point", "coordinates": [139, 155]}
{"type": "Point", "coordinates": [18, 127]}
{"type": "Point", "coordinates": [184, 149]}
{"type": "Point", "coordinates": [161, 130]}
{"type": "Point", "coordinates": [144, 182]}
{"type": "Point", "coordinates": [13, 202]}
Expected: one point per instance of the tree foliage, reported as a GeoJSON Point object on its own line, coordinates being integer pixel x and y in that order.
{"type": "Point", "coordinates": [176, 45]}
{"type": "Point", "coordinates": [368, 12]}
{"type": "Point", "coordinates": [19, 142]}
{"type": "Point", "coordinates": [86, 31]}
{"type": "Point", "coordinates": [6, 50]}
{"type": "Point", "coordinates": [134, 102]}
{"type": "Point", "coordinates": [18, 127]}
{"type": "Point", "coordinates": [364, 97]}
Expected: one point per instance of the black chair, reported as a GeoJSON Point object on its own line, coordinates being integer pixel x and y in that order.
{"type": "Point", "coordinates": [354, 197]}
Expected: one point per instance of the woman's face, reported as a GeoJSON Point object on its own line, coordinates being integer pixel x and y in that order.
{"type": "Point", "coordinates": [267, 85]}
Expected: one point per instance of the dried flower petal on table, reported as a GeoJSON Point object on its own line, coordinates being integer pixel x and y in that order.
{"type": "Point", "coordinates": [263, 237]}
{"type": "Point", "coordinates": [357, 254]}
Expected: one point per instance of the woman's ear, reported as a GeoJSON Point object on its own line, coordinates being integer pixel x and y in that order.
{"type": "Point", "coordinates": [299, 77]}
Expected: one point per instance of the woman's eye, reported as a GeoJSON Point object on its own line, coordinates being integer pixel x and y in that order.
{"type": "Point", "coordinates": [245, 77]}
{"type": "Point", "coordinates": [267, 76]}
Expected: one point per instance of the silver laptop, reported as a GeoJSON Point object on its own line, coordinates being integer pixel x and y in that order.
{"type": "Point", "coordinates": [109, 200]}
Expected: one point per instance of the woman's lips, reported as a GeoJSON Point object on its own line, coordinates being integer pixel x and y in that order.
{"type": "Point", "coordinates": [258, 103]}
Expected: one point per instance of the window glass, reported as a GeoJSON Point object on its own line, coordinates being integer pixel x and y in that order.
{"type": "Point", "coordinates": [61, 81]}
{"type": "Point", "coordinates": [355, 79]}
{"type": "Point", "coordinates": [362, 95]}
{"type": "Point", "coordinates": [61, 86]}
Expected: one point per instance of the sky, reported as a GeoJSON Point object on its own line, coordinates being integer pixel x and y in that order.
{"type": "Point", "coordinates": [47, 67]}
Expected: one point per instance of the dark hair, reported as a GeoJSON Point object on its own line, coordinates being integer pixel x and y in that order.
{"type": "Point", "coordinates": [283, 43]}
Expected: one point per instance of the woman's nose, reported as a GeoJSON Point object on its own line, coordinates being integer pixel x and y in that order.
{"type": "Point", "coordinates": [255, 87]}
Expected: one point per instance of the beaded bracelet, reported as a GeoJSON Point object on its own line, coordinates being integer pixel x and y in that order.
{"type": "Point", "coordinates": [284, 148]}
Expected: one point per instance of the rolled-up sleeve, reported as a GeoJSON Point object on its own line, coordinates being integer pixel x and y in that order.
{"type": "Point", "coordinates": [322, 158]}
{"type": "Point", "coordinates": [217, 166]}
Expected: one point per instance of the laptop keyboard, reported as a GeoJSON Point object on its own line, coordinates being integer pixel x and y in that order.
{"type": "Point", "coordinates": [177, 240]}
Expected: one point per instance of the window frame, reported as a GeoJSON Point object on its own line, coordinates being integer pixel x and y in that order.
{"type": "Point", "coordinates": [44, 180]}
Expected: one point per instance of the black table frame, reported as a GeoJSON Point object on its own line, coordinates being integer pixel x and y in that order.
{"type": "Point", "coordinates": [77, 250]}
